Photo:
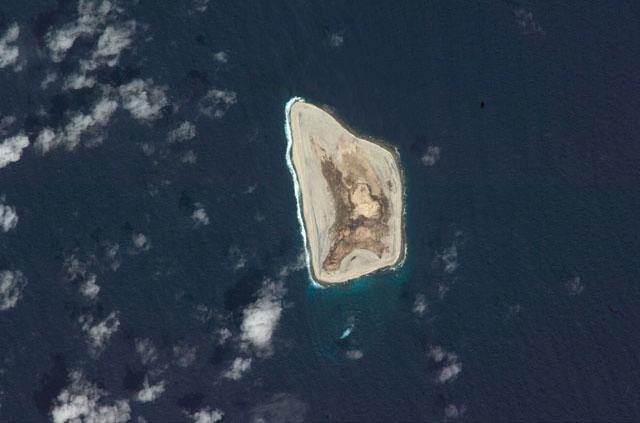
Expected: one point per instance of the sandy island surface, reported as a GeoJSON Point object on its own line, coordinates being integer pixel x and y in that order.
{"type": "Point", "coordinates": [351, 194]}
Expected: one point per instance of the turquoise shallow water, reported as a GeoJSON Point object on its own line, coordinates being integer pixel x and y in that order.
{"type": "Point", "coordinates": [534, 109]}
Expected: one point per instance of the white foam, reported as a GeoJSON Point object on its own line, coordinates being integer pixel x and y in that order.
{"type": "Point", "coordinates": [296, 186]}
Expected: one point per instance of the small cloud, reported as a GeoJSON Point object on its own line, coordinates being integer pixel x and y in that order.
{"type": "Point", "coordinates": [207, 415]}
{"type": "Point", "coordinates": [83, 401]}
{"type": "Point", "coordinates": [431, 156]}
{"type": "Point", "coordinates": [146, 350]}
{"type": "Point", "coordinates": [442, 290]}
{"type": "Point", "coordinates": [150, 393]}
{"type": "Point", "coordinates": [448, 257]}
{"type": "Point", "coordinates": [8, 51]}
{"type": "Point", "coordinates": [49, 79]}
{"type": "Point", "coordinates": [184, 132]}
{"type": "Point", "coordinates": [336, 40]}
{"type": "Point", "coordinates": [79, 124]}
{"type": "Point", "coordinates": [238, 367]}
{"type": "Point", "coordinates": [420, 305]}
{"type": "Point", "coordinates": [113, 256]}
{"type": "Point", "coordinates": [200, 216]}
{"type": "Point", "coordinates": [200, 5]}
{"type": "Point", "coordinates": [354, 354]}
{"type": "Point", "coordinates": [5, 124]}
{"type": "Point", "coordinates": [141, 242]}
{"type": "Point", "coordinates": [451, 366]}
{"type": "Point", "coordinates": [574, 286]}
{"type": "Point", "coordinates": [262, 316]}
{"type": "Point", "coordinates": [8, 217]}
{"type": "Point", "coordinates": [143, 99]}
{"type": "Point", "coordinates": [78, 81]}
{"type": "Point", "coordinates": [527, 23]}
{"type": "Point", "coordinates": [74, 268]}
{"type": "Point", "coordinates": [11, 149]}
{"type": "Point", "coordinates": [452, 411]}
{"type": "Point", "coordinates": [89, 288]}
{"type": "Point", "coordinates": [281, 407]}
{"type": "Point", "coordinates": [91, 16]}
{"type": "Point", "coordinates": [111, 43]}
{"type": "Point", "coordinates": [203, 313]}
{"type": "Point", "coordinates": [221, 57]}
{"type": "Point", "coordinates": [98, 334]}
{"type": "Point", "coordinates": [223, 334]}
{"type": "Point", "coordinates": [189, 157]}
{"type": "Point", "coordinates": [216, 103]}
{"type": "Point", "coordinates": [12, 283]}
{"type": "Point", "coordinates": [297, 265]}
{"type": "Point", "coordinates": [250, 189]}
{"type": "Point", "coordinates": [184, 354]}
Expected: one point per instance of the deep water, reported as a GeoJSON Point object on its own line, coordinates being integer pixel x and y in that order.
{"type": "Point", "coordinates": [535, 110]}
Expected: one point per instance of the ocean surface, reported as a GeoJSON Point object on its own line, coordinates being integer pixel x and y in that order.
{"type": "Point", "coordinates": [155, 271]}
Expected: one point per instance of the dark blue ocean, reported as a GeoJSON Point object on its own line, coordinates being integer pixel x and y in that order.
{"type": "Point", "coordinates": [150, 258]}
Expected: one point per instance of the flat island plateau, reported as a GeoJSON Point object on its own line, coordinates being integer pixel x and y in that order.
{"type": "Point", "coordinates": [351, 196]}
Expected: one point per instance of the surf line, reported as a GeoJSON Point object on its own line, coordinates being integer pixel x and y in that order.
{"type": "Point", "coordinates": [296, 186]}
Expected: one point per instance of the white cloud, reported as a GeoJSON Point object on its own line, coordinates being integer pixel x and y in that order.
{"type": "Point", "coordinates": [336, 40]}
{"type": "Point", "coordinates": [442, 290]}
{"type": "Point", "coordinates": [12, 283]}
{"type": "Point", "coordinates": [574, 286]}
{"type": "Point", "coordinates": [216, 103]}
{"type": "Point", "coordinates": [420, 305]}
{"type": "Point", "coordinates": [200, 5]}
{"type": "Point", "coordinates": [80, 123]}
{"type": "Point", "coordinates": [8, 52]}
{"type": "Point", "coordinates": [150, 393]}
{"type": "Point", "coordinates": [141, 242]}
{"type": "Point", "coordinates": [221, 57]}
{"type": "Point", "coordinates": [448, 257]}
{"type": "Point", "coordinates": [49, 79]}
{"type": "Point", "coordinates": [451, 365]}
{"type": "Point", "coordinates": [431, 156]}
{"type": "Point", "coordinates": [91, 16]}
{"type": "Point", "coordinates": [113, 255]}
{"type": "Point", "coordinates": [238, 367]}
{"type": "Point", "coordinates": [453, 411]}
{"type": "Point", "coordinates": [78, 81]}
{"type": "Point", "coordinates": [449, 372]}
{"type": "Point", "coordinates": [189, 157]}
{"type": "Point", "coordinates": [281, 407]}
{"type": "Point", "coordinates": [111, 43]}
{"type": "Point", "coordinates": [260, 320]}
{"type": "Point", "coordinates": [262, 316]}
{"type": "Point", "coordinates": [200, 216]}
{"type": "Point", "coordinates": [146, 350]}
{"type": "Point", "coordinates": [354, 354]}
{"type": "Point", "coordinates": [207, 415]}
{"type": "Point", "coordinates": [223, 335]}
{"type": "Point", "coordinates": [11, 149]}
{"type": "Point", "coordinates": [8, 217]}
{"type": "Point", "coordinates": [5, 123]}
{"type": "Point", "coordinates": [184, 132]}
{"type": "Point", "coordinates": [99, 334]}
{"type": "Point", "coordinates": [299, 264]}
{"type": "Point", "coordinates": [74, 268]}
{"type": "Point", "coordinates": [84, 402]}
{"type": "Point", "coordinates": [527, 22]}
{"type": "Point", "coordinates": [143, 99]}
{"type": "Point", "coordinates": [89, 288]}
{"type": "Point", "coordinates": [184, 354]}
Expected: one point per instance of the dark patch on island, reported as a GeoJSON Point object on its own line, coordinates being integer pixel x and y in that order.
{"type": "Point", "coordinates": [350, 230]}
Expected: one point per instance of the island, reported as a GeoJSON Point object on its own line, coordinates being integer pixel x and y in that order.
{"type": "Point", "coordinates": [349, 191]}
